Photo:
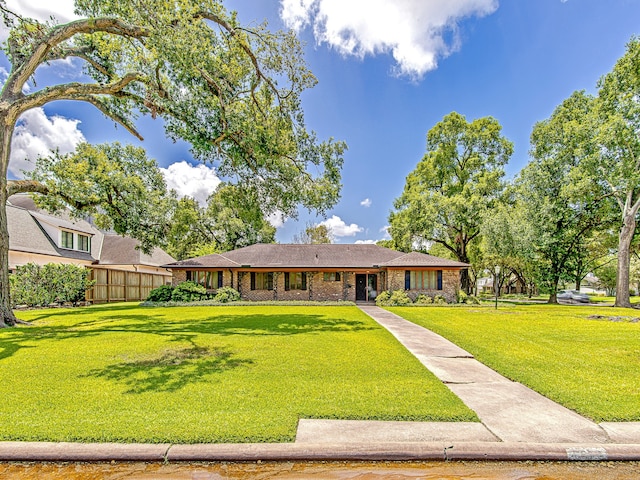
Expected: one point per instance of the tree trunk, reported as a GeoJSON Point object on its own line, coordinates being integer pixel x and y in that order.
{"type": "Point", "coordinates": [624, 259]}
{"type": "Point", "coordinates": [553, 295]}
{"type": "Point", "coordinates": [7, 318]}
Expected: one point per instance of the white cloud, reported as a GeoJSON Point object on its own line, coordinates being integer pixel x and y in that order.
{"type": "Point", "coordinates": [276, 219]}
{"type": "Point", "coordinates": [416, 32]}
{"type": "Point", "coordinates": [365, 242]}
{"type": "Point", "coordinates": [339, 228]}
{"type": "Point", "coordinates": [366, 202]}
{"type": "Point", "coordinates": [385, 231]}
{"type": "Point", "coordinates": [41, 10]}
{"type": "Point", "coordinates": [36, 135]}
{"type": "Point", "coordinates": [197, 181]}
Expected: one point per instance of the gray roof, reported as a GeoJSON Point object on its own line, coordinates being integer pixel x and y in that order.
{"type": "Point", "coordinates": [417, 259]}
{"type": "Point", "coordinates": [273, 256]}
{"type": "Point", "coordinates": [27, 234]}
{"type": "Point", "coordinates": [118, 250]}
{"type": "Point", "coordinates": [74, 225]}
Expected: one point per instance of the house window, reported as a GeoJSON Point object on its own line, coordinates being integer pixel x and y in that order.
{"type": "Point", "coordinates": [261, 280]}
{"type": "Point", "coordinates": [83, 243]}
{"type": "Point", "coordinates": [295, 281]}
{"type": "Point", "coordinates": [209, 279]}
{"type": "Point", "coordinates": [332, 277]}
{"type": "Point", "coordinates": [423, 280]}
{"type": "Point", "coordinates": [67, 239]}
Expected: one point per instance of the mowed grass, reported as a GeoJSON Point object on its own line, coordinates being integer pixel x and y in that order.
{"type": "Point", "coordinates": [591, 366]}
{"type": "Point", "coordinates": [126, 373]}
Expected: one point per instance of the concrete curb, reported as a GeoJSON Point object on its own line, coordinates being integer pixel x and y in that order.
{"type": "Point", "coordinates": [250, 452]}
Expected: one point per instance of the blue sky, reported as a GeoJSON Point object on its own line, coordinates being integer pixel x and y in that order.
{"type": "Point", "coordinates": [388, 71]}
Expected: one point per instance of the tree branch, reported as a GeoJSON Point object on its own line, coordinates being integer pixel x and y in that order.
{"type": "Point", "coordinates": [60, 34]}
{"type": "Point", "coordinates": [95, 101]}
{"type": "Point", "coordinates": [71, 91]}
{"type": "Point", "coordinates": [26, 186]}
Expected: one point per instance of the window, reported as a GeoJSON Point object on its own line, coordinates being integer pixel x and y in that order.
{"type": "Point", "coordinates": [423, 280]}
{"type": "Point", "coordinates": [332, 277]}
{"type": "Point", "coordinates": [295, 281]}
{"type": "Point", "coordinates": [67, 239]}
{"type": "Point", "coordinates": [209, 279]}
{"type": "Point", "coordinates": [83, 243]}
{"type": "Point", "coordinates": [261, 281]}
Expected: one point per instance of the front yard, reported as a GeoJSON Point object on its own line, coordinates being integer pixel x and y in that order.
{"type": "Point", "coordinates": [206, 374]}
{"type": "Point", "coordinates": [589, 365]}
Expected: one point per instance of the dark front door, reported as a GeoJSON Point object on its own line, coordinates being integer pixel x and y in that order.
{"type": "Point", "coordinates": [361, 287]}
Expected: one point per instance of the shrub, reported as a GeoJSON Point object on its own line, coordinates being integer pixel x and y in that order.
{"type": "Point", "coordinates": [423, 299]}
{"type": "Point", "coordinates": [472, 300]}
{"type": "Point", "coordinates": [38, 285]}
{"type": "Point", "coordinates": [188, 292]}
{"type": "Point", "coordinates": [383, 298]}
{"type": "Point", "coordinates": [226, 294]}
{"type": "Point", "coordinates": [439, 300]}
{"type": "Point", "coordinates": [461, 296]}
{"type": "Point", "coordinates": [160, 294]}
{"type": "Point", "coordinates": [396, 298]}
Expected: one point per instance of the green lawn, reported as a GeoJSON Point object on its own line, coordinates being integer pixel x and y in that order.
{"type": "Point", "coordinates": [590, 366]}
{"type": "Point", "coordinates": [206, 374]}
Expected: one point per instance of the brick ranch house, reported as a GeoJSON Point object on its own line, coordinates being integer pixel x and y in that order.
{"type": "Point", "coordinates": [321, 272]}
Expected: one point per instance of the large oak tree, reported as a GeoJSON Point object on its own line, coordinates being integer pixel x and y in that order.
{"type": "Point", "coordinates": [231, 91]}
{"type": "Point", "coordinates": [459, 177]}
{"type": "Point", "coordinates": [617, 165]}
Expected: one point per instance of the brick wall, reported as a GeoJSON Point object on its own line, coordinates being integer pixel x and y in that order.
{"type": "Point", "coordinates": [319, 290]}
{"type": "Point", "coordinates": [450, 285]}
{"type": "Point", "coordinates": [178, 276]}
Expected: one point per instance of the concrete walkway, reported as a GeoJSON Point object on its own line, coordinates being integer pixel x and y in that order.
{"type": "Point", "coordinates": [508, 410]}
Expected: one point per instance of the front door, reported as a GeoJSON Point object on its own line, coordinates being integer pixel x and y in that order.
{"type": "Point", "coordinates": [361, 287]}
{"type": "Point", "coordinates": [366, 287]}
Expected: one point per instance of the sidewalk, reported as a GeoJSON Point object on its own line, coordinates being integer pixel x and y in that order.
{"type": "Point", "coordinates": [509, 410]}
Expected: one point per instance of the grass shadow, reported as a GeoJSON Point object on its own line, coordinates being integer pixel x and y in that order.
{"type": "Point", "coordinates": [171, 369]}
{"type": "Point", "coordinates": [174, 329]}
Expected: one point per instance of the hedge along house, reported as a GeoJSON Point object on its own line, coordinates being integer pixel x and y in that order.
{"type": "Point", "coordinates": [321, 272]}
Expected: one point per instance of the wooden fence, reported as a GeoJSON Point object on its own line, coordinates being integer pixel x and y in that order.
{"type": "Point", "coordinates": [121, 285]}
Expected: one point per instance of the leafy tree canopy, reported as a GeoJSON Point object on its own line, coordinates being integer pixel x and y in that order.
{"type": "Point", "coordinates": [459, 177]}
{"type": "Point", "coordinates": [231, 91]}
{"type": "Point", "coordinates": [232, 219]}
{"type": "Point", "coordinates": [314, 234]}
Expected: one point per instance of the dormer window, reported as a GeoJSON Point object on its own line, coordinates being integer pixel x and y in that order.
{"type": "Point", "coordinates": [83, 243]}
{"type": "Point", "coordinates": [80, 242]}
{"type": "Point", "coordinates": [67, 240]}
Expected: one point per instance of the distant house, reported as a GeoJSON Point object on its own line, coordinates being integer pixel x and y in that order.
{"type": "Point", "coordinates": [321, 272]}
{"type": "Point", "coordinates": [121, 271]}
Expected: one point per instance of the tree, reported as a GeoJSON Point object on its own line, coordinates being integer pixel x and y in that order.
{"type": "Point", "coordinates": [314, 235]}
{"type": "Point", "coordinates": [459, 177]}
{"type": "Point", "coordinates": [506, 245]}
{"type": "Point", "coordinates": [232, 219]}
{"type": "Point", "coordinates": [561, 202]}
{"type": "Point", "coordinates": [617, 165]}
{"type": "Point", "coordinates": [118, 186]}
{"type": "Point", "coordinates": [232, 92]}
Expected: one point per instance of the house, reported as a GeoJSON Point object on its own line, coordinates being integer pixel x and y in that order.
{"type": "Point", "coordinates": [321, 272]}
{"type": "Point", "coordinates": [120, 270]}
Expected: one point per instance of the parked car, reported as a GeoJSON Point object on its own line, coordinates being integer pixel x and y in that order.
{"type": "Point", "coordinates": [573, 296]}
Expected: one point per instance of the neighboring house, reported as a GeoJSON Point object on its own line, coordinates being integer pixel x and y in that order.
{"type": "Point", "coordinates": [121, 271]}
{"type": "Point", "coordinates": [321, 272]}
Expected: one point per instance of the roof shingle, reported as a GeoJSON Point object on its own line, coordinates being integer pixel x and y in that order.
{"type": "Point", "coordinates": [273, 256]}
